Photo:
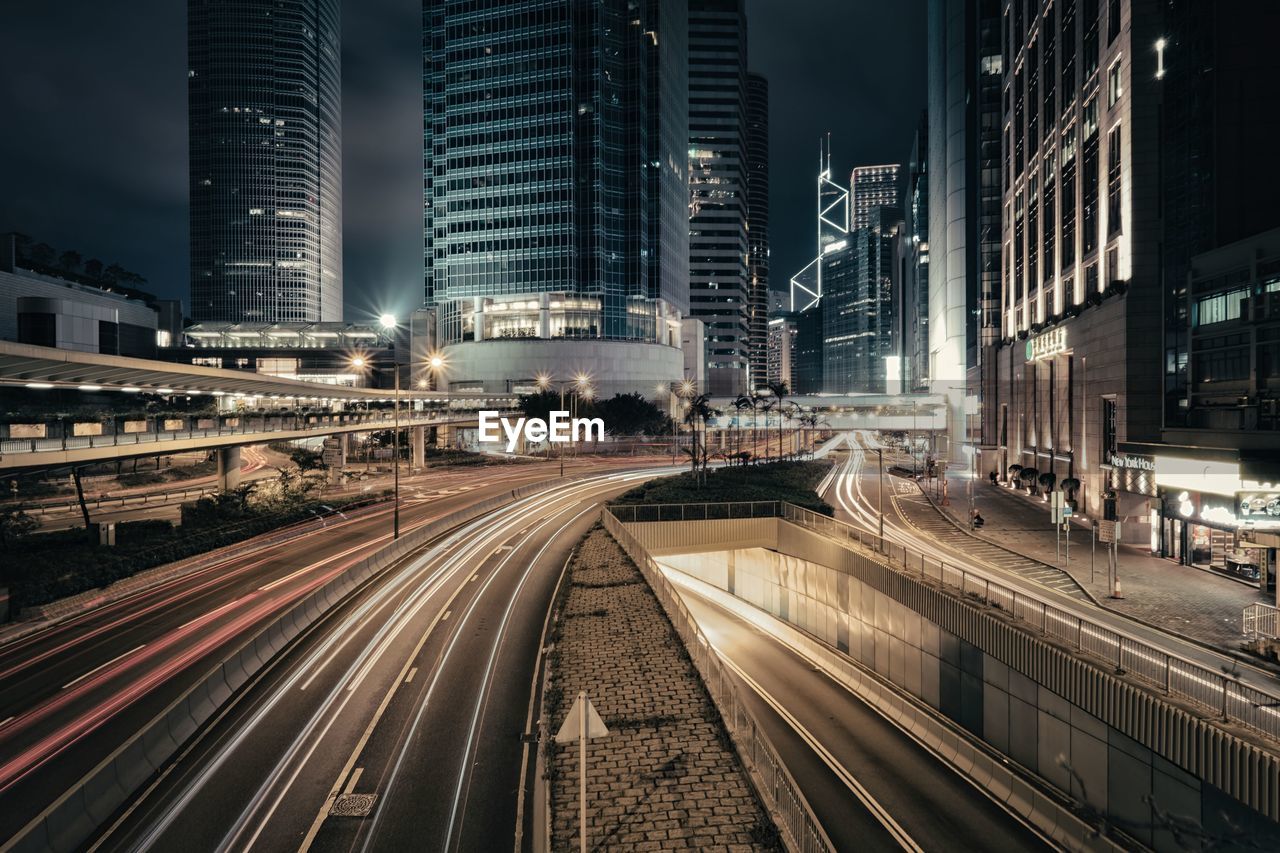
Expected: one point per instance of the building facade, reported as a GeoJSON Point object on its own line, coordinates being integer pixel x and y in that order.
{"type": "Point", "coordinates": [871, 187]}
{"type": "Point", "coordinates": [265, 124]}
{"type": "Point", "coordinates": [782, 350]}
{"type": "Point", "coordinates": [719, 282]}
{"type": "Point", "coordinates": [964, 219]}
{"type": "Point", "coordinates": [1080, 317]}
{"type": "Point", "coordinates": [555, 196]}
{"type": "Point", "coordinates": [758, 229]}
{"type": "Point", "coordinates": [860, 331]}
{"type": "Point", "coordinates": [913, 253]}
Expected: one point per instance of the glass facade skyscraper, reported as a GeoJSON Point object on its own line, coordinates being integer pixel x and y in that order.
{"type": "Point", "coordinates": [758, 228]}
{"type": "Point", "coordinates": [718, 176]}
{"type": "Point", "coordinates": [264, 109]}
{"type": "Point", "coordinates": [555, 200]}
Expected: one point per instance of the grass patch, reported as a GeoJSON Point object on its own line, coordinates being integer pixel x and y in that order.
{"type": "Point", "coordinates": [793, 482]}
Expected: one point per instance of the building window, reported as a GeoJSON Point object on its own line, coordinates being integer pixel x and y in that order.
{"type": "Point", "coordinates": [1068, 52]}
{"type": "Point", "coordinates": [1113, 20]}
{"type": "Point", "coordinates": [1113, 181]}
{"type": "Point", "coordinates": [1090, 38]}
{"type": "Point", "coordinates": [1089, 174]}
{"type": "Point", "coordinates": [1108, 425]}
{"type": "Point", "coordinates": [1218, 308]}
{"type": "Point", "coordinates": [1115, 87]}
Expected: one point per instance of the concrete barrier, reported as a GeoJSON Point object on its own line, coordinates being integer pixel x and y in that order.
{"type": "Point", "coordinates": [71, 819]}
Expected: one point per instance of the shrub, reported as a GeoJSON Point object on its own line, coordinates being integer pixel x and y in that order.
{"type": "Point", "coordinates": [793, 482]}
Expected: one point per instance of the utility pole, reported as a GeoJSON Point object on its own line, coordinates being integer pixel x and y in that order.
{"type": "Point", "coordinates": [880, 461]}
{"type": "Point", "coordinates": [395, 443]}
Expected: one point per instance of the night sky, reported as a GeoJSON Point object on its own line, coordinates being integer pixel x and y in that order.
{"type": "Point", "coordinates": [93, 151]}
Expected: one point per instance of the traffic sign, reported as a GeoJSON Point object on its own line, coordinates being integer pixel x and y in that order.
{"type": "Point", "coordinates": [571, 729]}
{"type": "Point", "coordinates": [1108, 531]}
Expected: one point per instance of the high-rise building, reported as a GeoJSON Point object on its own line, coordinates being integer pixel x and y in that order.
{"type": "Point", "coordinates": [964, 217]}
{"type": "Point", "coordinates": [758, 228]}
{"type": "Point", "coordinates": [782, 350]}
{"type": "Point", "coordinates": [871, 187]}
{"type": "Point", "coordinates": [265, 122]}
{"type": "Point", "coordinates": [719, 286]}
{"type": "Point", "coordinates": [914, 259]}
{"type": "Point", "coordinates": [859, 331]}
{"type": "Point", "coordinates": [555, 192]}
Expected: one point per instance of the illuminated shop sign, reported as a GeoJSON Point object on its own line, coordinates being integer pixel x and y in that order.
{"type": "Point", "coordinates": [1049, 344]}
{"type": "Point", "coordinates": [1258, 506]}
{"type": "Point", "coordinates": [1129, 460]}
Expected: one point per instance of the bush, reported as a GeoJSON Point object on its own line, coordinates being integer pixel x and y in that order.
{"type": "Point", "coordinates": [793, 482]}
{"type": "Point", "coordinates": [142, 478]}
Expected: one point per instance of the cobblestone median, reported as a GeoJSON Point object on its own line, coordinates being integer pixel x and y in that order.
{"type": "Point", "coordinates": [666, 777]}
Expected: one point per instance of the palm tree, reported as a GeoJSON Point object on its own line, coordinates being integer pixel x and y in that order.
{"type": "Point", "coordinates": [745, 401]}
{"type": "Point", "coordinates": [766, 405]}
{"type": "Point", "coordinates": [698, 410]}
{"type": "Point", "coordinates": [779, 392]}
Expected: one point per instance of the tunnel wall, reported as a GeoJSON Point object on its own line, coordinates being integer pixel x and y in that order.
{"type": "Point", "coordinates": [1147, 765]}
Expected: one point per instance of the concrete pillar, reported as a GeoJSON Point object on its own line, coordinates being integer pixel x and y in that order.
{"type": "Point", "coordinates": [445, 435]}
{"type": "Point", "coordinates": [477, 315]}
{"type": "Point", "coordinates": [417, 448]}
{"type": "Point", "coordinates": [228, 468]}
{"type": "Point", "coordinates": [544, 315]}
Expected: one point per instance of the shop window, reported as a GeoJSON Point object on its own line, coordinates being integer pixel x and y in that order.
{"type": "Point", "coordinates": [1108, 425]}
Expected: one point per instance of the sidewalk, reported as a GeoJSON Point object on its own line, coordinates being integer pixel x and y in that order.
{"type": "Point", "coordinates": [1197, 604]}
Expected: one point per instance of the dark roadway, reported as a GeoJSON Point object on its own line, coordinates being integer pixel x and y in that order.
{"type": "Point", "coordinates": [416, 690]}
{"type": "Point", "coordinates": [848, 760]}
{"type": "Point", "coordinates": [72, 692]}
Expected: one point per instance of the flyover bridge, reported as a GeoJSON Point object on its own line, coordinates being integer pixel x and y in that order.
{"type": "Point", "coordinates": [251, 408]}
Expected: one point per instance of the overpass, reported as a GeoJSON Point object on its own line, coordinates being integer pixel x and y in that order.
{"type": "Point", "coordinates": [889, 412]}
{"type": "Point", "coordinates": [250, 408]}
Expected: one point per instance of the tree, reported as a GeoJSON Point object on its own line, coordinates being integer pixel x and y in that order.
{"type": "Point", "coordinates": [746, 401]}
{"type": "Point", "coordinates": [14, 524]}
{"type": "Point", "coordinates": [1028, 477]}
{"type": "Point", "coordinates": [93, 268]}
{"type": "Point", "coordinates": [42, 255]}
{"type": "Point", "coordinates": [698, 411]}
{"type": "Point", "coordinates": [114, 273]}
{"type": "Point", "coordinates": [306, 459]}
{"type": "Point", "coordinates": [70, 260]}
{"type": "Point", "coordinates": [631, 414]}
{"type": "Point", "coordinates": [779, 391]}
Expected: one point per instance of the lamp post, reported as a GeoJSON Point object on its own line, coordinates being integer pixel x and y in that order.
{"type": "Point", "coordinates": [581, 383]}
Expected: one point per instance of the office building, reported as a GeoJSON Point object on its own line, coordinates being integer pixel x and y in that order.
{"type": "Point", "coordinates": [555, 191]}
{"type": "Point", "coordinates": [807, 365]}
{"type": "Point", "coordinates": [871, 187]}
{"type": "Point", "coordinates": [758, 229]}
{"type": "Point", "coordinates": [964, 216]}
{"type": "Point", "coordinates": [265, 124]}
{"type": "Point", "coordinates": [859, 319]}
{"type": "Point", "coordinates": [719, 285]}
{"type": "Point", "coordinates": [781, 350]}
{"type": "Point", "coordinates": [913, 253]}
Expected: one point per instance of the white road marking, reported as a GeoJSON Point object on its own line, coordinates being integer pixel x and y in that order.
{"type": "Point", "coordinates": [351, 783]}
{"type": "Point", "coordinates": [446, 615]}
{"type": "Point", "coordinates": [408, 679]}
{"type": "Point", "coordinates": [99, 667]}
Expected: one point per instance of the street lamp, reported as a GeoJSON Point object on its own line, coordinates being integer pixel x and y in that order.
{"type": "Point", "coordinates": [581, 384]}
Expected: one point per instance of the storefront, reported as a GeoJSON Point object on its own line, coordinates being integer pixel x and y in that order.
{"type": "Point", "coordinates": [1208, 516]}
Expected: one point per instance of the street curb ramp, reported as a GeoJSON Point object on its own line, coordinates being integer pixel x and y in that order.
{"type": "Point", "coordinates": [70, 820]}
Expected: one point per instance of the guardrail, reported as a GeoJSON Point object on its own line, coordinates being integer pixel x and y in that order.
{"type": "Point", "coordinates": [144, 499]}
{"type": "Point", "coordinates": [1260, 621]}
{"type": "Point", "coordinates": [71, 819]}
{"type": "Point", "coordinates": [799, 826]}
{"type": "Point", "coordinates": [248, 426]}
{"type": "Point", "coordinates": [1217, 692]}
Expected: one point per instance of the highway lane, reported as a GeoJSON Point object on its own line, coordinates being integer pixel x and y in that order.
{"type": "Point", "coordinates": [416, 693]}
{"type": "Point", "coordinates": [71, 692]}
{"type": "Point", "coordinates": [871, 786]}
{"type": "Point", "coordinates": [854, 493]}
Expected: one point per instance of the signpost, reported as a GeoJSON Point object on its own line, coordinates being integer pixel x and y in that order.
{"type": "Point", "coordinates": [582, 723]}
{"type": "Point", "coordinates": [1109, 533]}
{"type": "Point", "coordinates": [1056, 504]}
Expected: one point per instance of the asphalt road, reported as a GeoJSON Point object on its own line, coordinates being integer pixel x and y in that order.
{"type": "Point", "coordinates": [855, 495]}
{"type": "Point", "coordinates": [851, 764]}
{"type": "Point", "coordinates": [72, 692]}
{"type": "Point", "coordinates": [416, 691]}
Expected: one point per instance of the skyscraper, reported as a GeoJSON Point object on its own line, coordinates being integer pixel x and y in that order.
{"type": "Point", "coordinates": [718, 166]}
{"type": "Point", "coordinates": [914, 252]}
{"type": "Point", "coordinates": [871, 187]}
{"type": "Point", "coordinates": [859, 328]}
{"type": "Point", "coordinates": [758, 228]}
{"type": "Point", "coordinates": [964, 217]}
{"type": "Point", "coordinates": [555, 197]}
{"type": "Point", "coordinates": [264, 110]}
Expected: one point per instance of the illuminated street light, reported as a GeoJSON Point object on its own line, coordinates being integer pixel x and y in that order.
{"type": "Point", "coordinates": [357, 362]}
{"type": "Point", "coordinates": [387, 321]}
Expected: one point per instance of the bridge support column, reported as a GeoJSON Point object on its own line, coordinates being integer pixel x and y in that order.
{"type": "Point", "coordinates": [417, 448]}
{"type": "Point", "coordinates": [445, 435]}
{"type": "Point", "coordinates": [228, 468]}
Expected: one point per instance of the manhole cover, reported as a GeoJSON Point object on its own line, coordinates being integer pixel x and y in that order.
{"type": "Point", "coordinates": [353, 805]}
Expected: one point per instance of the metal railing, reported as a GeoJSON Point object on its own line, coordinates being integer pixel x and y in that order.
{"type": "Point", "coordinates": [244, 426]}
{"type": "Point", "coordinates": [632, 513]}
{"type": "Point", "coordinates": [1218, 692]}
{"type": "Point", "coordinates": [1211, 689]}
{"type": "Point", "coordinates": [783, 798]}
{"type": "Point", "coordinates": [1260, 620]}
{"type": "Point", "coordinates": [144, 499]}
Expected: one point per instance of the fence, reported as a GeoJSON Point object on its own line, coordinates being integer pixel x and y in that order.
{"type": "Point", "coordinates": [323, 424]}
{"type": "Point", "coordinates": [122, 501]}
{"type": "Point", "coordinates": [1260, 621]}
{"type": "Point", "coordinates": [782, 796]}
{"type": "Point", "coordinates": [1178, 677]}
{"type": "Point", "coordinates": [1220, 693]}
